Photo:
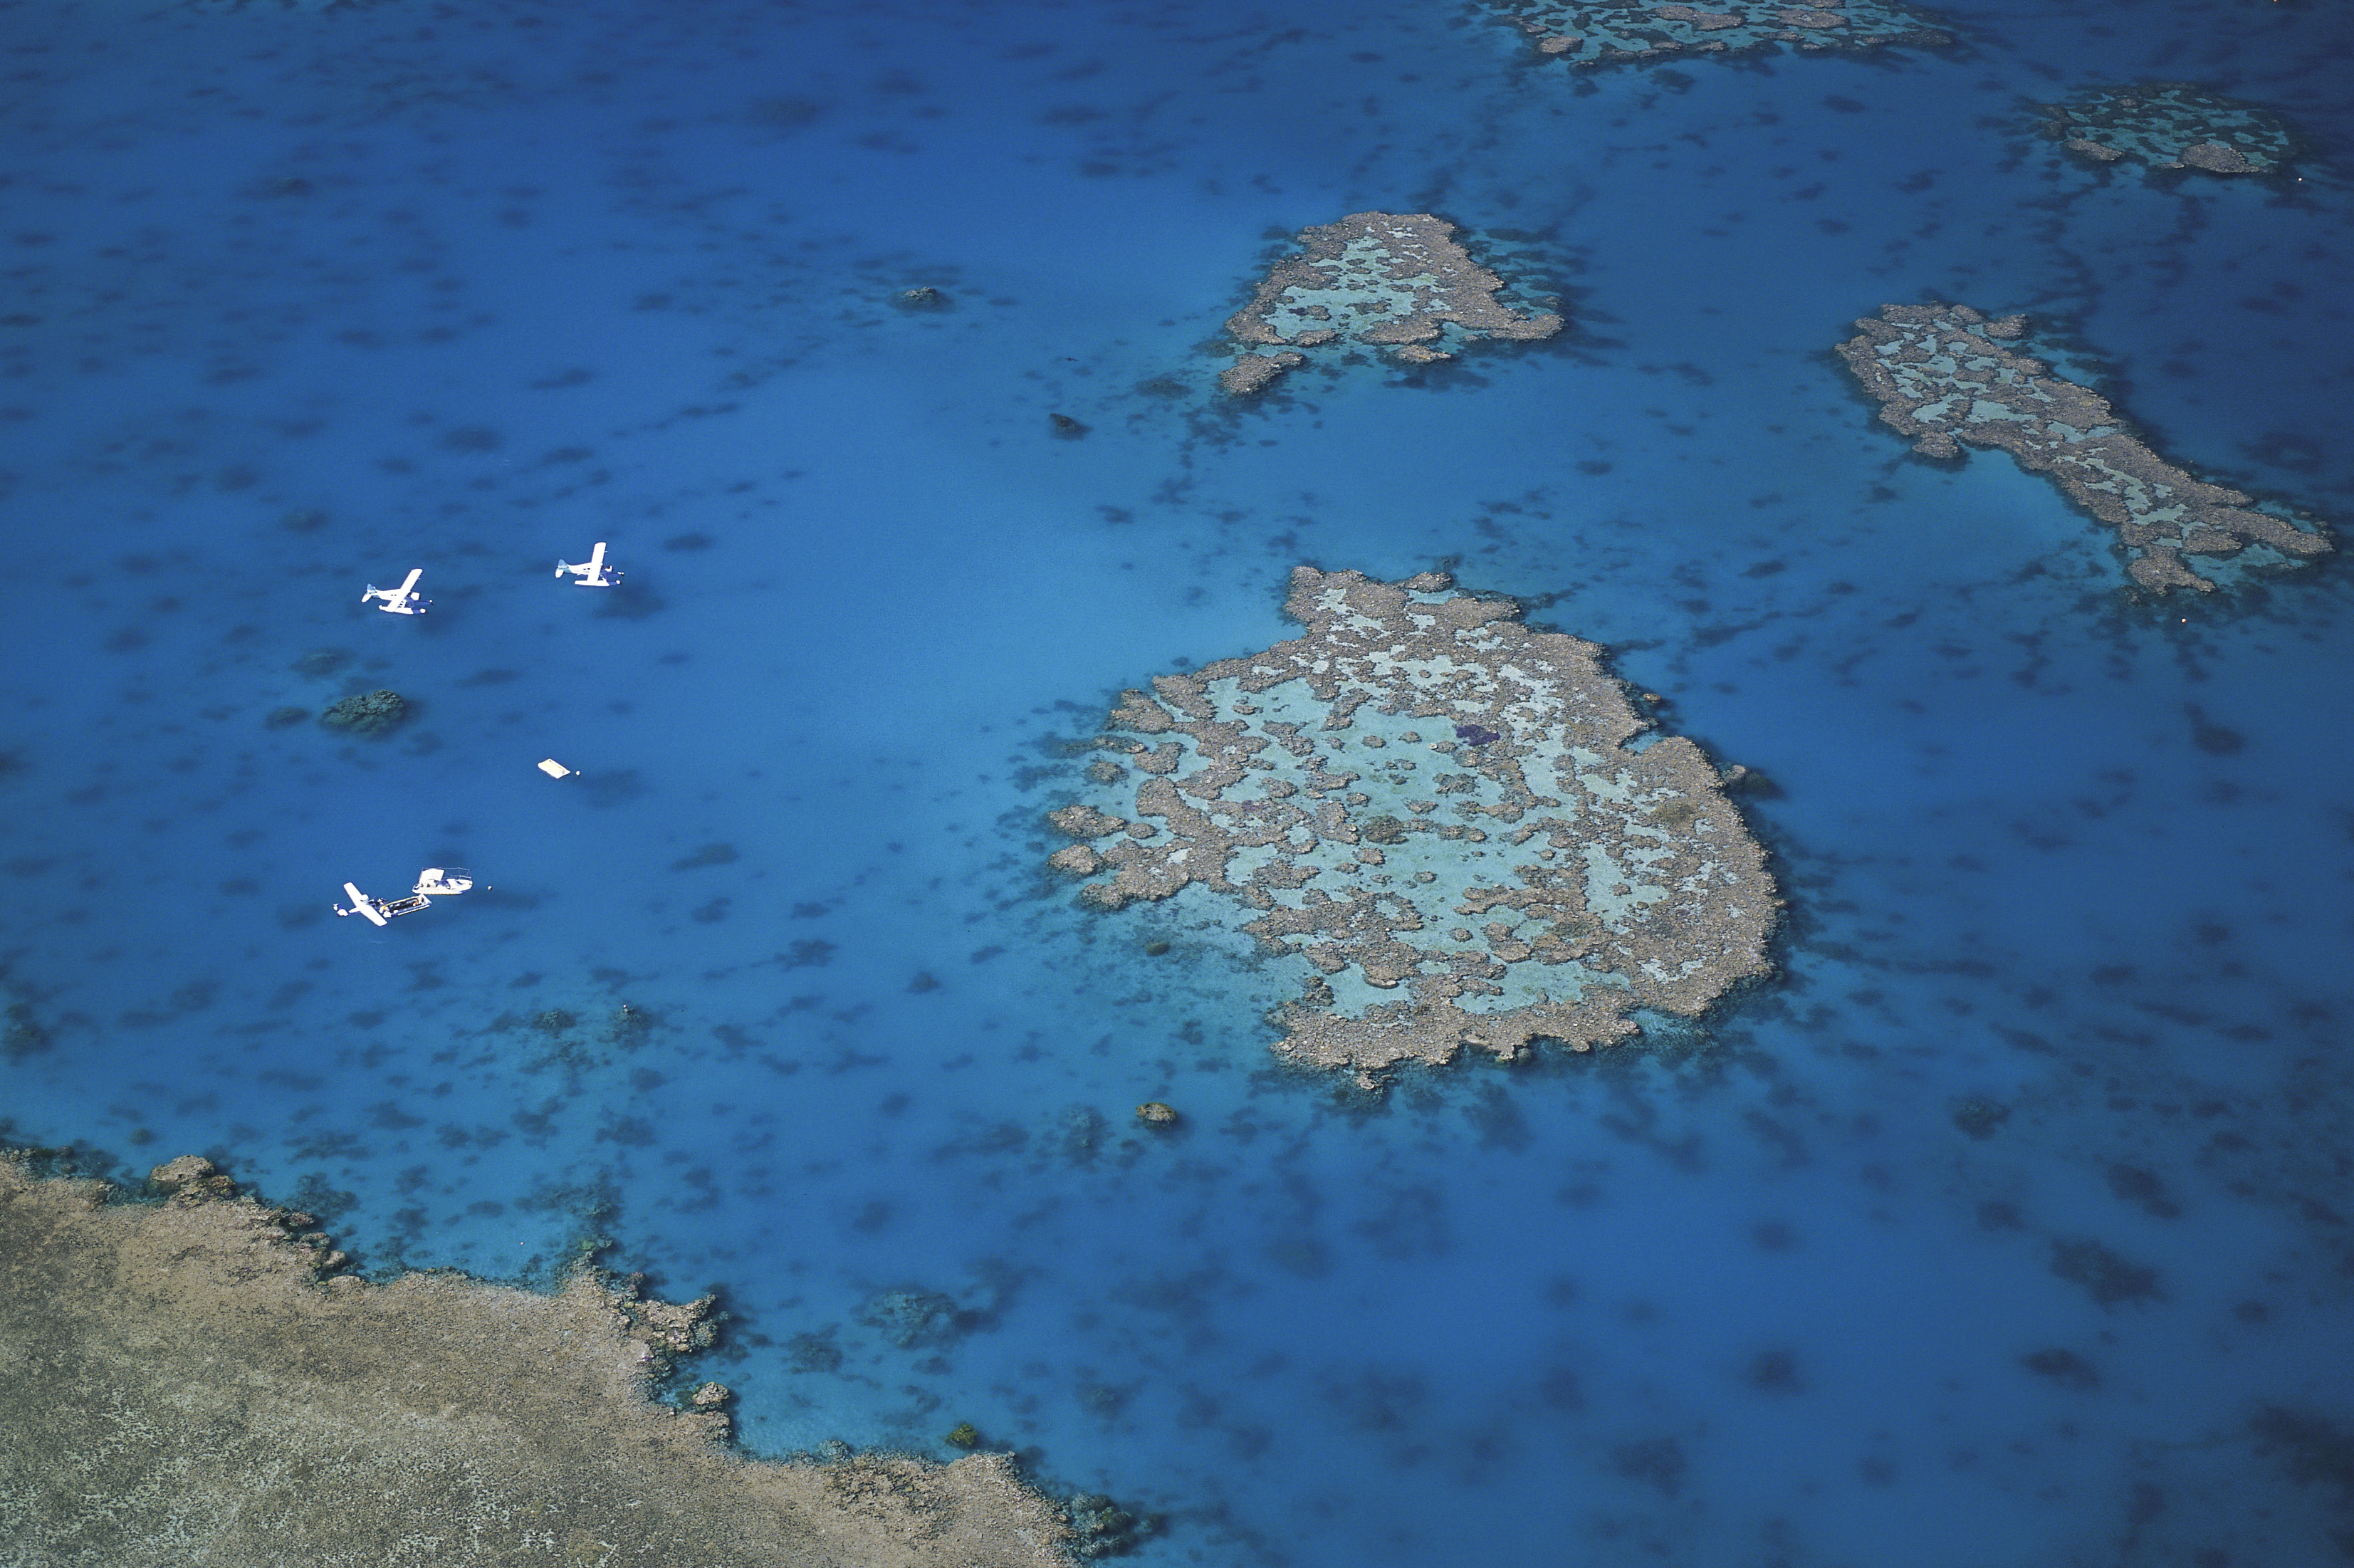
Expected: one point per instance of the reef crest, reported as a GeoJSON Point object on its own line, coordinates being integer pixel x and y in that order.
{"type": "Point", "coordinates": [1454, 818]}
{"type": "Point", "coordinates": [2170, 125]}
{"type": "Point", "coordinates": [1942, 378]}
{"type": "Point", "coordinates": [189, 1381]}
{"type": "Point", "coordinates": [1588, 33]}
{"type": "Point", "coordinates": [1395, 281]}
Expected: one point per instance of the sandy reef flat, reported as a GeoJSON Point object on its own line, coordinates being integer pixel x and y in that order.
{"type": "Point", "coordinates": [190, 1382]}
{"type": "Point", "coordinates": [1400, 283]}
{"type": "Point", "coordinates": [1462, 824]}
{"type": "Point", "coordinates": [1943, 376]}
{"type": "Point", "coordinates": [2170, 125]}
{"type": "Point", "coordinates": [1588, 33]}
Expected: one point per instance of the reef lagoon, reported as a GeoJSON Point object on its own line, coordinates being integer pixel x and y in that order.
{"type": "Point", "coordinates": [2002, 1219]}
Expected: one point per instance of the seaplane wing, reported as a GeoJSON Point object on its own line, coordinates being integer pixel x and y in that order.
{"type": "Point", "coordinates": [362, 905]}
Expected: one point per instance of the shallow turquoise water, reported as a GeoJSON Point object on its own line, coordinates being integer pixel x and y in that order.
{"type": "Point", "coordinates": [483, 286]}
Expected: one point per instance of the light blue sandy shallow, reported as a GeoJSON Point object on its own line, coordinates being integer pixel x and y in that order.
{"type": "Point", "coordinates": [486, 285]}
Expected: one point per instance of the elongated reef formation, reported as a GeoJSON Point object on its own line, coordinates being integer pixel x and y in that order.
{"type": "Point", "coordinates": [191, 1382]}
{"type": "Point", "coordinates": [1588, 33]}
{"type": "Point", "coordinates": [1943, 378]}
{"type": "Point", "coordinates": [1461, 824]}
{"type": "Point", "coordinates": [2170, 125]}
{"type": "Point", "coordinates": [1399, 283]}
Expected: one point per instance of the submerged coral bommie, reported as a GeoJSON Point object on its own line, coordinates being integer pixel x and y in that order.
{"type": "Point", "coordinates": [367, 713]}
{"type": "Point", "coordinates": [1588, 33]}
{"type": "Point", "coordinates": [1942, 378]}
{"type": "Point", "coordinates": [1543, 884]}
{"type": "Point", "coordinates": [259, 1408]}
{"type": "Point", "coordinates": [2170, 125]}
{"type": "Point", "coordinates": [1395, 281]}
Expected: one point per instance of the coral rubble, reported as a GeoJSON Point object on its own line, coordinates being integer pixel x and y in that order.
{"type": "Point", "coordinates": [2170, 125]}
{"type": "Point", "coordinates": [1589, 33]}
{"type": "Point", "coordinates": [1942, 378]}
{"type": "Point", "coordinates": [1395, 281]}
{"type": "Point", "coordinates": [234, 1400]}
{"type": "Point", "coordinates": [1454, 818]}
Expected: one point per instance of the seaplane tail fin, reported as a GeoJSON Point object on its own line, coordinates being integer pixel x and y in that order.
{"type": "Point", "coordinates": [564, 566]}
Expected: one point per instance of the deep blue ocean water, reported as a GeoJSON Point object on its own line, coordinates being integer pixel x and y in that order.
{"type": "Point", "coordinates": [296, 300]}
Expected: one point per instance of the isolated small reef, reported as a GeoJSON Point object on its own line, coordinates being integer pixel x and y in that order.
{"type": "Point", "coordinates": [193, 1380]}
{"type": "Point", "coordinates": [1456, 820]}
{"type": "Point", "coordinates": [2170, 125]}
{"type": "Point", "coordinates": [1588, 33]}
{"type": "Point", "coordinates": [367, 713]}
{"type": "Point", "coordinates": [1396, 282]}
{"type": "Point", "coordinates": [1942, 378]}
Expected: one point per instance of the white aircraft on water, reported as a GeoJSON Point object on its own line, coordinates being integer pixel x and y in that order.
{"type": "Point", "coordinates": [431, 881]}
{"type": "Point", "coordinates": [402, 600]}
{"type": "Point", "coordinates": [592, 572]}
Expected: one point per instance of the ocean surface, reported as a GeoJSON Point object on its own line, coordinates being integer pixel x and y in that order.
{"type": "Point", "coordinates": [2009, 1222]}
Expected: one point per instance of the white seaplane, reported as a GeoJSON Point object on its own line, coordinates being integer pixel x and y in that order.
{"type": "Point", "coordinates": [402, 600]}
{"type": "Point", "coordinates": [592, 572]}
{"type": "Point", "coordinates": [431, 882]}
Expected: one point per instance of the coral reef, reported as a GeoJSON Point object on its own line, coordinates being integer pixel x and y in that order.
{"type": "Point", "coordinates": [2170, 125]}
{"type": "Point", "coordinates": [1395, 281]}
{"type": "Point", "coordinates": [21, 1033]}
{"type": "Point", "coordinates": [1589, 33]}
{"type": "Point", "coordinates": [912, 1317]}
{"type": "Point", "coordinates": [367, 713]}
{"type": "Point", "coordinates": [1942, 378]}
{"type": "Point", "coordinates": [1101, 1528]}
{"type": "Point", "coordinates": [1456, 821]}
{"type": "Point", "coordinates": [1981, 1117]}
{"type": "Point", "coordinates": [241, 1403]}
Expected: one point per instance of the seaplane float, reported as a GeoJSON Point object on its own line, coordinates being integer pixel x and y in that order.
{"type": "Point", "coordinates": [432, 882]}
